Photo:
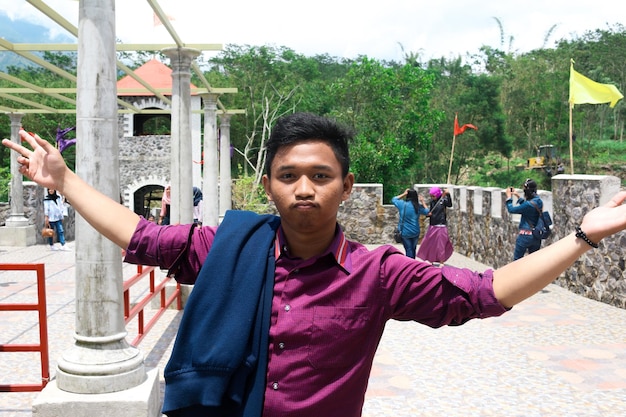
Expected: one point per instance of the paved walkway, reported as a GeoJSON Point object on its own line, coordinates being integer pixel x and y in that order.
{"type": "Point", "coordinates": [556, 354]}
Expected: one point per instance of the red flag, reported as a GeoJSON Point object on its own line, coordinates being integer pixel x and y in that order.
{"type": "Point", "coordinates": [460, 130]}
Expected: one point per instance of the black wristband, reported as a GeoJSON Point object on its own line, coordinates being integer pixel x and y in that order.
{"type": "Point", "coordinates": [581, 235]}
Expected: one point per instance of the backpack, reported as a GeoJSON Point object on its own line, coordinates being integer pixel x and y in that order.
{"type": "Point", "coordinates": [542, 229]}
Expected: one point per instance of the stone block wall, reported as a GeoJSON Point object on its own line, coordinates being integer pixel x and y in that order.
{"type": "Point", "coordinates": [365, 218]}
{"type": "Point", "coordinates": [479, 225]}
{"type": "Point", "coordinates": [481, 228]}
{"type": "Point", "coordinates": [601, 273]}
{"type": "Point", "coordinates": [142, 156]}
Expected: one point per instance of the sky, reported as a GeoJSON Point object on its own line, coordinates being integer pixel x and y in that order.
{"type": "Point", "coordinates": [349, 28]}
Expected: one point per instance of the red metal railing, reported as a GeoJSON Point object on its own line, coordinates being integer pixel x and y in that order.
{"type": "Point", "coordinates": [155, 290]}
{"type": "Point", "coordinates": [42, 347]}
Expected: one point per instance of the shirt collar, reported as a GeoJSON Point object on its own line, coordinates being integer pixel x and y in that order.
{"type": "Point", "coordinates": [339, 247]}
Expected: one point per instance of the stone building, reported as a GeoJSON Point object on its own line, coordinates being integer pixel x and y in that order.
{"type": "Point", "coordinates": [145, 142]}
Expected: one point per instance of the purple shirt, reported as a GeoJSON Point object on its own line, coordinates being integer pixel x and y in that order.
{"type": "Point", "coordinates": [329, 312]}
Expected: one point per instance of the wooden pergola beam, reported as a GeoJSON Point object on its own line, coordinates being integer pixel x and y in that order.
{"type": "Point", "coordinates": [26, 50]}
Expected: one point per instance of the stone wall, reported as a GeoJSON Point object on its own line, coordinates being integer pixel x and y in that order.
{"type": "Point", "coordinates": [601, 273]}
{"type": "Point", "coordinates": [479, 225]}
{"type": "Point", "coordinates": [142, 157]}
{"type": "Point", "coordinates": [481, 228]}
{"type": "Point", "coordinates": [365, 218]}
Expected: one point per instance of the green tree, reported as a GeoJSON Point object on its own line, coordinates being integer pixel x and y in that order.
{"type": "Point", "coordinates": [477, 100]}
{"type": "Point", "coordinates": [388, 105]}
{"type": "Point", "coordinates": [270, 82]}
{"type": "Point", "coordinates": [44, 124]}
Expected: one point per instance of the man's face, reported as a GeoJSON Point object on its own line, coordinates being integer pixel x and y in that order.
{"type": "Point", "coordinates": [307, 187]}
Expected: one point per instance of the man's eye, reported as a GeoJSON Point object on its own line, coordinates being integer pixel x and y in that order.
{"type": "Point", "coordinates": [320, 176]}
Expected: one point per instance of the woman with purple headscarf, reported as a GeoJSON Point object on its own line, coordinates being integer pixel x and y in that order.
{"type": "Point", "coordinates": [436, 246]}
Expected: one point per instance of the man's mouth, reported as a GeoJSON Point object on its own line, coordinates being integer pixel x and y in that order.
{"type": "Point", "coordinates": [304, 205]}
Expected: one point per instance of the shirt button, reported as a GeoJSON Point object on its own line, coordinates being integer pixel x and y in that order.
{"type": "Point", "coordinates": [287, 307]}
{"type": "Point", "coordinates": [275, 386]}
{"type": "Point", "coordinates": [281, 346]}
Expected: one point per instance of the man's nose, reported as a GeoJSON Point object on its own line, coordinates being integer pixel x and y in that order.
{"type": "Point", "coordinates": [304, 187]}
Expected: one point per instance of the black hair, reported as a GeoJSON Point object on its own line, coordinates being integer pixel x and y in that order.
{"type": "Point", "coordinates": [530, 189]}
{"type": "Point", "coordinates": [302, 127]}
{"type": "Point", "coordinates": [411, 196]}
{"type": "Point", "coordinates": [51, 196]}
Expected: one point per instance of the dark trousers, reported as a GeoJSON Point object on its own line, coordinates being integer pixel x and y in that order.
{"type": "Point", "coordinates": [525, 243]}
{"type": "Point", "coordinates": [58, 231]}
{"type": "Point", "coordinates": [410, 243]}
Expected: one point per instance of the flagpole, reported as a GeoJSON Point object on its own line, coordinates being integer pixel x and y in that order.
{"type": "Point", "coordinates": [451, 157]}
{"type": "Point", "coordinates": [571, 140]}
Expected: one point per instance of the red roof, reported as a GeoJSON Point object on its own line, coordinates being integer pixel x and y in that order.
{"type": "Point", "coordinates": [153, 72]}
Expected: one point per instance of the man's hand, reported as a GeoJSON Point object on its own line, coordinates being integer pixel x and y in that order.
{"type": "Point", "coordinates": [43, 164]}
{"type": "Point", "coordinates": [605, 220]}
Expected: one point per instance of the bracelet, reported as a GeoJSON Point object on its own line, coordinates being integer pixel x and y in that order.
{"type": "Point", "coordinates": [581, 235]}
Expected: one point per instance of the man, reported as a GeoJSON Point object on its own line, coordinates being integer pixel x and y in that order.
{"type": "Point", "coordinates": [530, 207]}
{"type": "Point", "coordinates": [286, 314]}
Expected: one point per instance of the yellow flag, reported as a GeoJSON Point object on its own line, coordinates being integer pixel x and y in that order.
{"type": "Point", "coordinates": [584, 90]}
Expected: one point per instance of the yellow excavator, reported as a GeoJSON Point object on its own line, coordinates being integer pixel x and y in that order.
{"type": "Point", "coordinates": [547, 159]}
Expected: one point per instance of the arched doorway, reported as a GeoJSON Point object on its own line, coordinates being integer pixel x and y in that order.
{"type": "Point", "coordinates": [152, 124]}
{"type": "Point", "coordinates": [147, 200]}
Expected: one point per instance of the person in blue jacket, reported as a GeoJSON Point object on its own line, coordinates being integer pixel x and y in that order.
{"type": "Point", "coordinates": [530, 207]}
{"type": "Point", "coordinates": [408, 223]}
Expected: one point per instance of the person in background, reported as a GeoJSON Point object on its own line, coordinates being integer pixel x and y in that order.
{"type": "Point", "coordinates": [197, 206]}
{"type": "Point", "coordinates": [293, 310]}
{"type": "Point", "coordinates": [436, 246]}
{"type": "Point", "coordinates": [53, 207]}
{"type": "Point", "coordinates": [408, 223]}
{"type": "Point", "coordinates": [530, 207]}
{"type": "Point", "coordinates": [166, 201]}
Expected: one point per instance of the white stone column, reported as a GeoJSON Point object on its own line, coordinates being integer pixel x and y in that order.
{"type": "Point", "coordinates": [225, 176]}
{"type": "Point", "coordinates": [16, 218]}
{"type": "Point", "coordinates": [17, 231]}
{"type": "Point", "coordinates": [196, 140]}
{"type": "Point", "coordinates": [101, 374]}
{"type": "Point", "coordinates": [210, 204]}
{"type": "Point", "coordinates": [101, 360]}
{"type": "Point", "coordinates": [181, 209]}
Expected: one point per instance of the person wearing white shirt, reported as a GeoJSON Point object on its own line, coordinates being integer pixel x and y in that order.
{"type": "Point", "coordinates": [53, 206]}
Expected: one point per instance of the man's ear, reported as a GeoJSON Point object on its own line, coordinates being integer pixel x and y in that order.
{"type": "Point", "coordinates": [348, 182]}
{"type": "Point", "coordinates": [266, 186]}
